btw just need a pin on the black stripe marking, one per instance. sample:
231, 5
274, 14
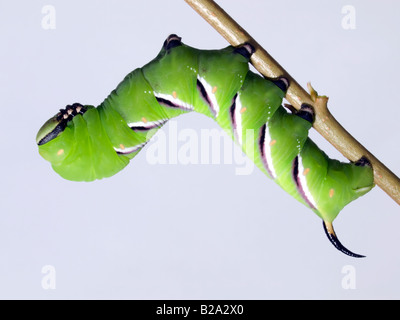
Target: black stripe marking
261, 141
135, 149
232, 110
170, 104
295, 171
149, 126
261, 144
142, 128
299, 186
167, 103
205, 97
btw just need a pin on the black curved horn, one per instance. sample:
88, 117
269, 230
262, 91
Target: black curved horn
328, 227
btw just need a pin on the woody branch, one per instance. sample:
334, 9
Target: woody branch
324, 123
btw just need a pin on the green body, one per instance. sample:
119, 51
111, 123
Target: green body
247, 106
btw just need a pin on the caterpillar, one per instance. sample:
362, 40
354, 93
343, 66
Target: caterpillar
85, 143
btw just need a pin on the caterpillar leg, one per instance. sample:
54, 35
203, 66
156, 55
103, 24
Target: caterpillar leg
363, 161
282, 83
246, 50
172, 41
306, 112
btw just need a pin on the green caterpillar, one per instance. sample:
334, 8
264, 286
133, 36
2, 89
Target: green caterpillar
84, 143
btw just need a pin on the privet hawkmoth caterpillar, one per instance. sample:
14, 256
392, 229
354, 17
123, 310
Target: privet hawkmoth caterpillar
85, 143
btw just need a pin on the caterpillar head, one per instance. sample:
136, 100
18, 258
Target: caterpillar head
77, 146
57, 124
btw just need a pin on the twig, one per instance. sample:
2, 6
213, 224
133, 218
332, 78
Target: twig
324, 123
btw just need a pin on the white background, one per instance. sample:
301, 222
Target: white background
178, 231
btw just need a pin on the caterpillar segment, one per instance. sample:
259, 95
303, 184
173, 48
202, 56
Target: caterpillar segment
84, 143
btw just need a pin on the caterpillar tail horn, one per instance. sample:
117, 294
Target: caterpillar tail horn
330, 232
